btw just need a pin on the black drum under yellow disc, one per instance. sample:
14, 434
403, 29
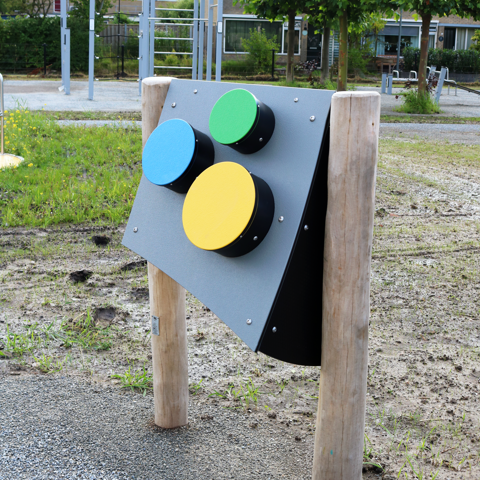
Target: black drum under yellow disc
219, 206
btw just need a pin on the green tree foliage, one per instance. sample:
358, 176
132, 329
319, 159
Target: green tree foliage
81, 8
352, 16
259, 47
476, 41
182, 5
10, 7
426, 9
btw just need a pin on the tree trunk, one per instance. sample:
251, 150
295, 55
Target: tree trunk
343, 54
325, 52
290, 41
422, 69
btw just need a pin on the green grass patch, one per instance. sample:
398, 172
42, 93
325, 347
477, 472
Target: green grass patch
429, 119
70, 174
414, 102
86, 115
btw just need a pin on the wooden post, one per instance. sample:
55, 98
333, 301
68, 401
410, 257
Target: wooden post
167, 302
355, 118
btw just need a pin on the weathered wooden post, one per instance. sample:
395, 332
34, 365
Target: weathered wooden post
167, 302
354, 123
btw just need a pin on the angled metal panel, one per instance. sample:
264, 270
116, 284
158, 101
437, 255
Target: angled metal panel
242, 288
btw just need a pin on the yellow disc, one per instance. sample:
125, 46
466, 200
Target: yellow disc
218, 206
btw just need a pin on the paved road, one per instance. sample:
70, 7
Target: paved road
38, 94
121, 96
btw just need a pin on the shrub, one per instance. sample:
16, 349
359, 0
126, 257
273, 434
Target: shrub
237, 67
358, 58
461, 61
259, 47
422, 103
21, 42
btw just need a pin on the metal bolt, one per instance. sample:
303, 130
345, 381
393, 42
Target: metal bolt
260, 139
135, 229
281, 219
295, 100
195, 91
312, 118
255, 238
249, 321
174, 105
274, 329
305, 227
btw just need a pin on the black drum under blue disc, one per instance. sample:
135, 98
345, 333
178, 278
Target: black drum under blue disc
175, 154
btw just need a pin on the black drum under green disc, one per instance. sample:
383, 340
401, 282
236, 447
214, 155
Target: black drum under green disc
241, 121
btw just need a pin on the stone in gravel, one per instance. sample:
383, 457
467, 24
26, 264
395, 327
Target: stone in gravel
100, 240
133, 265
80, 276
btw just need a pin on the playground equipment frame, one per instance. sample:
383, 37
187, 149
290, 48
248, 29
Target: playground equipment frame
355, 120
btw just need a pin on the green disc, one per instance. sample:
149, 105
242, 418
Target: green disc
233, 116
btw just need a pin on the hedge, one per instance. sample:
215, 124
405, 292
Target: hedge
459, 61
21, 42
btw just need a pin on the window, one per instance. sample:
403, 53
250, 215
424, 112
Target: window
470, 34
296, 47
56, 7
391, 43
237, 29
431, 40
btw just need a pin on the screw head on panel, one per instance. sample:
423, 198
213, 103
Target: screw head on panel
260, 139
281, 219
274, 329
295, 100
174, 105
312, 118
195, 91
305, 227
255, 238
249, 321
135, 229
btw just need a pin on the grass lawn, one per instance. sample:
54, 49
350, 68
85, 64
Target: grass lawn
70, 174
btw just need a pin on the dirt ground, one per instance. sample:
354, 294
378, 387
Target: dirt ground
423, 417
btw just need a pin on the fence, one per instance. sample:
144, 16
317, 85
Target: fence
26, 58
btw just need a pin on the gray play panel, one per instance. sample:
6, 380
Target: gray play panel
241, 288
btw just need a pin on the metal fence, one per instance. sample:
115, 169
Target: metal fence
27, 58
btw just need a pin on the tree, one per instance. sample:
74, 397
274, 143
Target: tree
279, 10
10, 7
426, 9
476, 41
81, 8
325, 53
349, 14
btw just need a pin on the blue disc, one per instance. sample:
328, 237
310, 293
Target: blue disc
168, 152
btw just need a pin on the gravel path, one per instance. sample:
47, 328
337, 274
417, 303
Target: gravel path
61, 427
453, 133
464, 104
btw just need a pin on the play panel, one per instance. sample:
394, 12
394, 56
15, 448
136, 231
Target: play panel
232, 206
